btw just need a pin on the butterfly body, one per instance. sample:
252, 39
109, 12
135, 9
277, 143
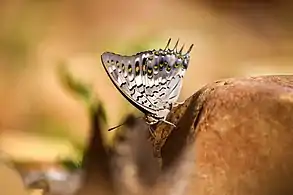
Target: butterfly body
150, 80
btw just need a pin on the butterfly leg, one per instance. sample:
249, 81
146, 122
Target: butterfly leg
152, 132
178, 103
175, 104
167, 122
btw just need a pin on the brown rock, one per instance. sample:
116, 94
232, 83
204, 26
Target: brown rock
233, 137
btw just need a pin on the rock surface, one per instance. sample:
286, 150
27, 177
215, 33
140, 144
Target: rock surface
233, 137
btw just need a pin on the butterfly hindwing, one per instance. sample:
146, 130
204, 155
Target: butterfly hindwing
168, 74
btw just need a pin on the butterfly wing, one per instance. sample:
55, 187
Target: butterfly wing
150, 80
126, 73
168, 71
177, 65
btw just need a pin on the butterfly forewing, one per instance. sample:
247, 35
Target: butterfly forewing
125, 81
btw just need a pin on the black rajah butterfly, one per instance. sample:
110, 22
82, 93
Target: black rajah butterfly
150, 80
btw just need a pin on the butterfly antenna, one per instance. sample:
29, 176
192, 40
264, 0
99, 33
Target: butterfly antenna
116, 127
167, 46
176, 44
189, 50
122, 124
181, 48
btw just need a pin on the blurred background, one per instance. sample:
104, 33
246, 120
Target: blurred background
42, 121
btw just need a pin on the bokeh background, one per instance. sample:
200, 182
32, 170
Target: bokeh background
42, 121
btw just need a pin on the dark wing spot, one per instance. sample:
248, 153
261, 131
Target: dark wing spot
150, 71
185, 63
162, 64
143, 69
177, 64
168, 68
144, 62
132, 92
138, 97
162, 94
123, 67
129, 68
137, 69
133, 86
163, 87
170, 52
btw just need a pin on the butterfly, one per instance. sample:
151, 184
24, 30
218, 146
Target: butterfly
150, 80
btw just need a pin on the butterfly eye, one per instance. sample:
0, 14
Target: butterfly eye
129, 68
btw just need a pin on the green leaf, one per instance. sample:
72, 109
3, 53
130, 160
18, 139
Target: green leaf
71, 165
78, 88
83, 91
